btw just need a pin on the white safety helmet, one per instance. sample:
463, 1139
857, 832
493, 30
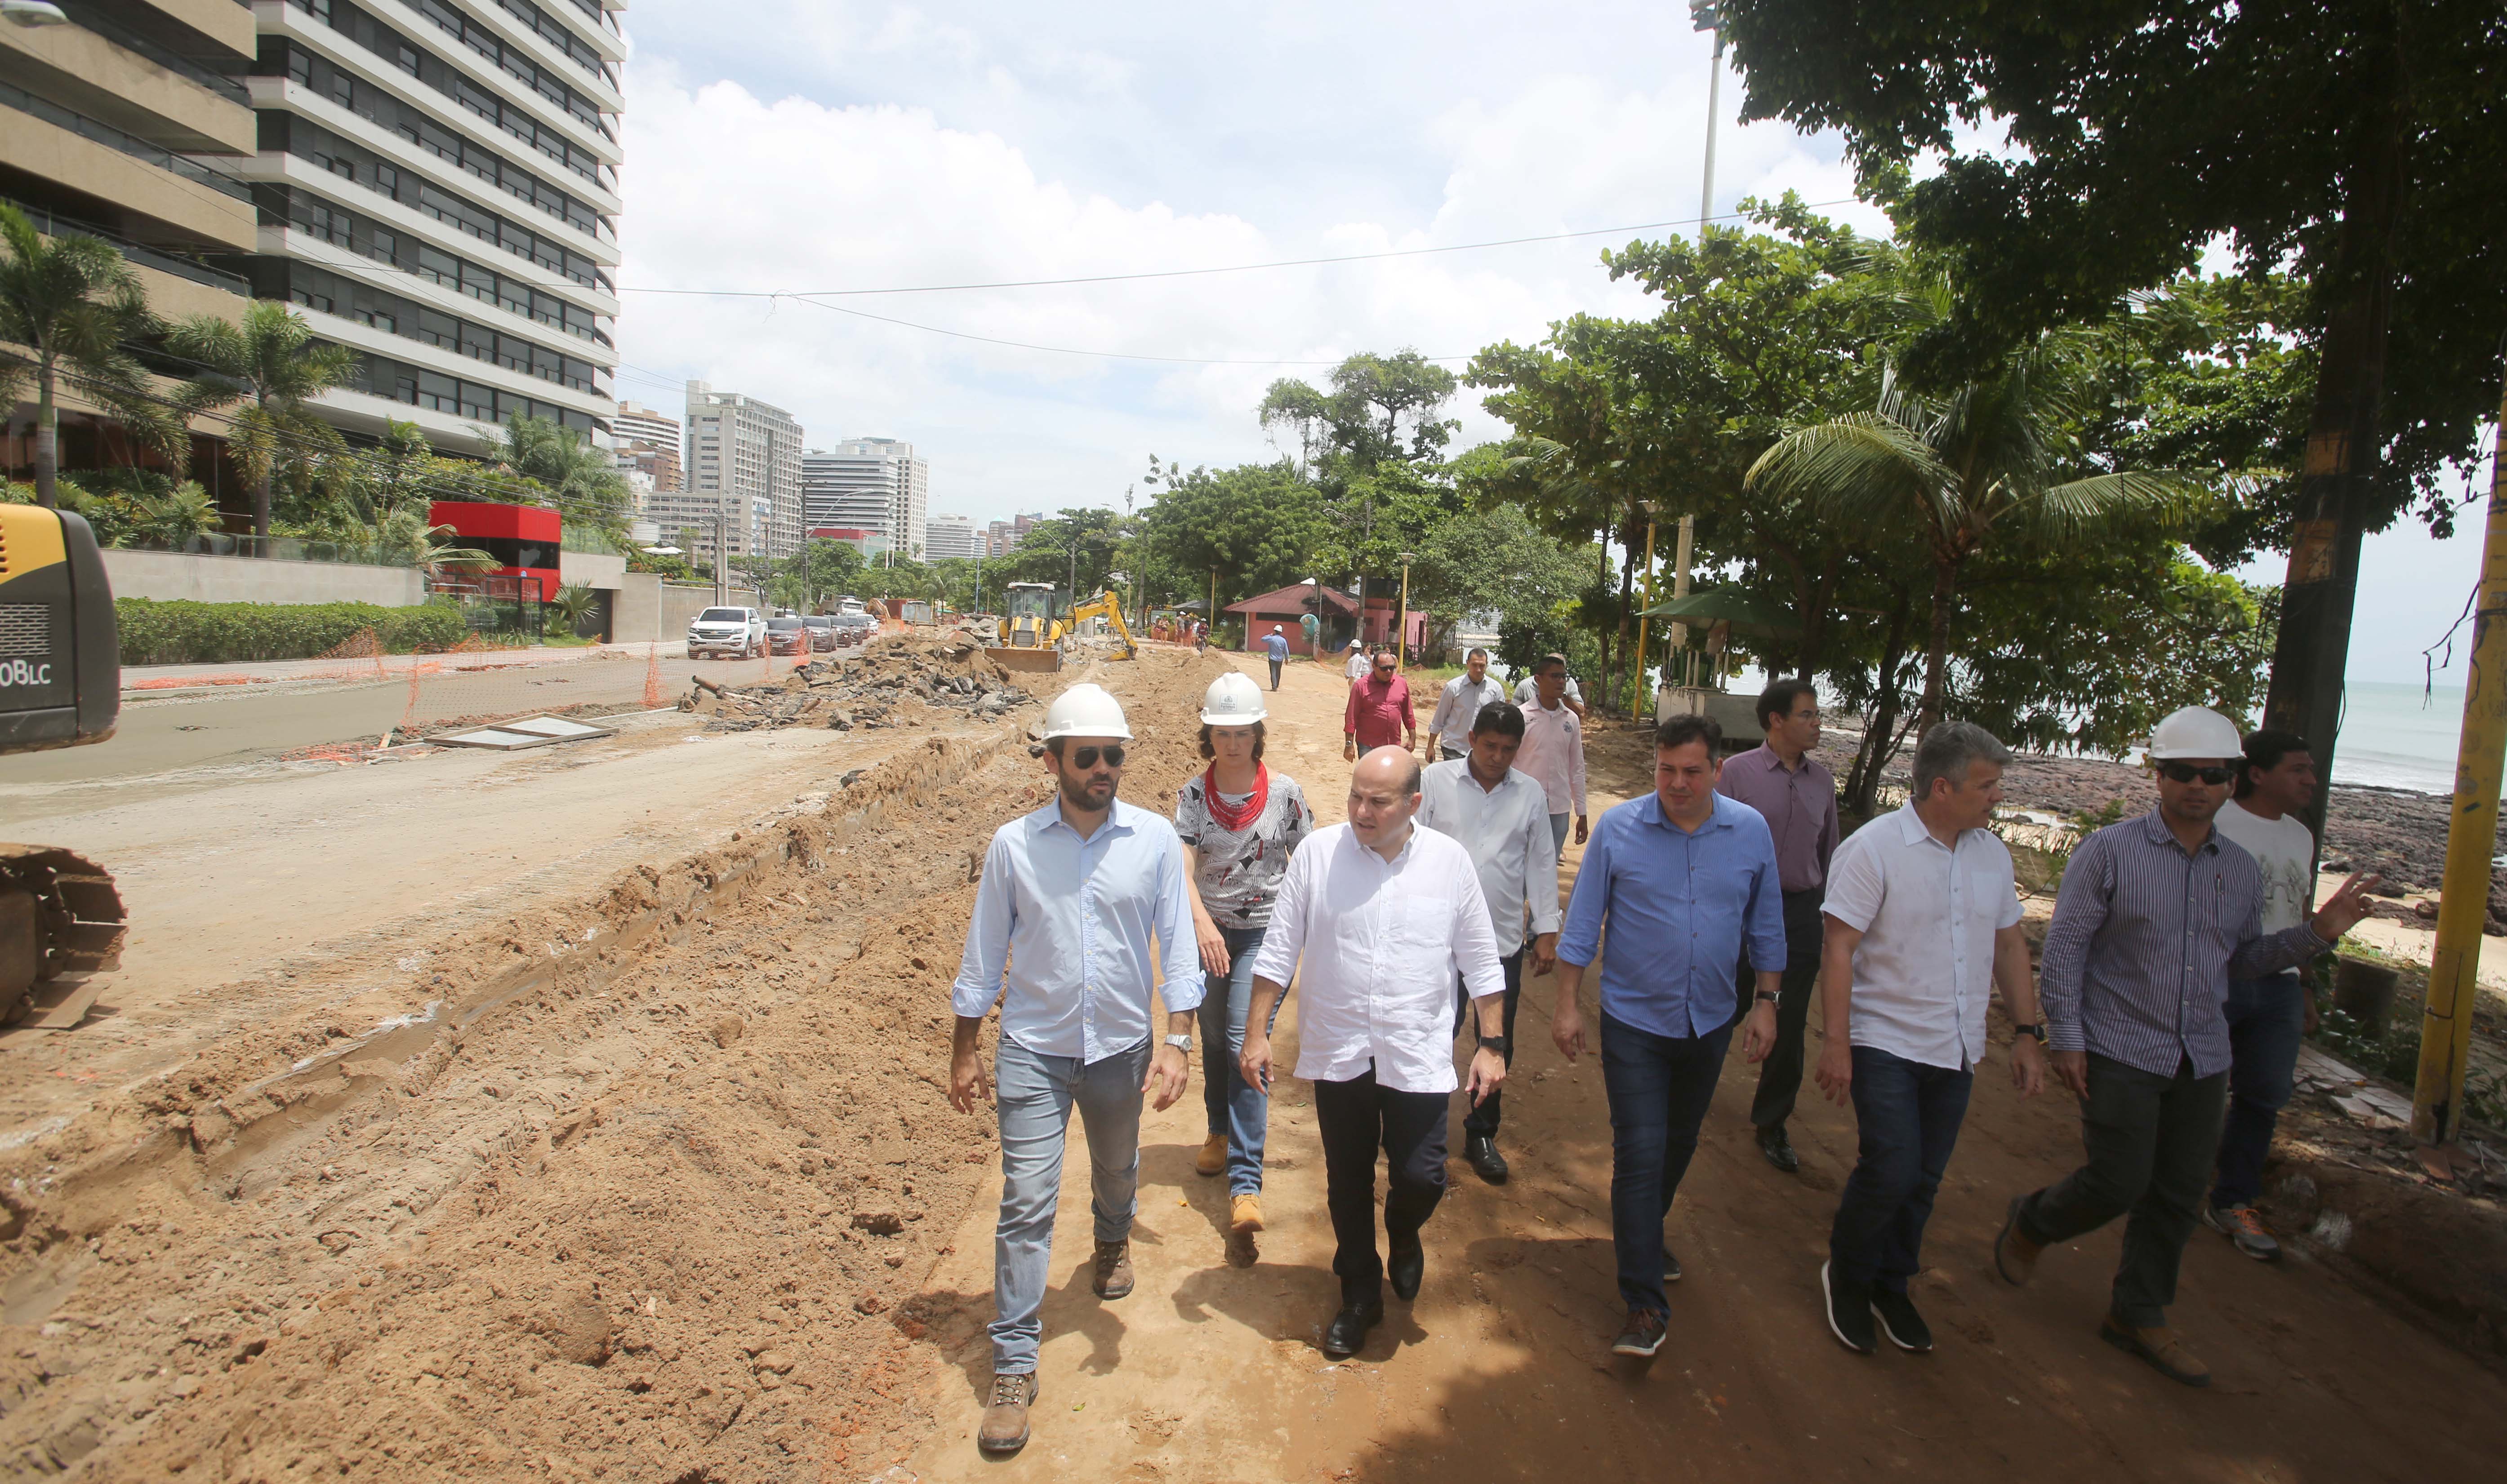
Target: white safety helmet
1085, 711
2195, 731
1232, 700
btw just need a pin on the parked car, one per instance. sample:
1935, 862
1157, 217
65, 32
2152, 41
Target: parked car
853, 628
740, 631
787, 635
822, 631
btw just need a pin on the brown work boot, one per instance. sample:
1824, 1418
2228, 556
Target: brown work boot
1213, 1158
2014, 1256
1005, 1427
1114, 1269
2158, 1345
1245, 1214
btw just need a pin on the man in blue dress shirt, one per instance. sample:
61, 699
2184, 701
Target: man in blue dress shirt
1071, 898
1682, 878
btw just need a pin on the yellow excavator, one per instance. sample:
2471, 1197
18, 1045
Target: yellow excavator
61, 686
1107, 606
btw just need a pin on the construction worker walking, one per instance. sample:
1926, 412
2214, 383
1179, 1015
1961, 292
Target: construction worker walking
1071, 900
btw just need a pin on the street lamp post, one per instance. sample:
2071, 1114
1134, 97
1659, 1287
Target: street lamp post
1401, 634
1704, 16
1648, 507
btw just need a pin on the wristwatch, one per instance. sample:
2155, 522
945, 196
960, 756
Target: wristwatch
1503, 1045
1182, 1043
2031, 1028
1765, 997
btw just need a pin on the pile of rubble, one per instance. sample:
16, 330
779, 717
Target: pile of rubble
895, 684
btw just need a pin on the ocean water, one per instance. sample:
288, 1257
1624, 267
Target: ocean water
2398, 735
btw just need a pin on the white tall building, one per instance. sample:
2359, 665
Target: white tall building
742, 462
947, 536
871, 483
438, 191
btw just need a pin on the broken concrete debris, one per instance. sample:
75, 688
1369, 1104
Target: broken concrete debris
897, 684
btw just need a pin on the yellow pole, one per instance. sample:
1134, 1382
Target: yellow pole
1401, 634
2463, 895
1641, 622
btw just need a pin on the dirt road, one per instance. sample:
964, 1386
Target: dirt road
647, 1176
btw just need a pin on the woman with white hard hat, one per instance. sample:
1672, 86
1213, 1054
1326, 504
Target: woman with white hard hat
1238, 821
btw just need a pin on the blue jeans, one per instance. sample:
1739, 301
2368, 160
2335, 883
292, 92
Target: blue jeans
1558, 826
1036, 1094
2266, 1018
1659, 1087
1907, 1115
1237, 1107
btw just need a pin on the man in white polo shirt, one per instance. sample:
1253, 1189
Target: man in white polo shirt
1922, 921
1373, 920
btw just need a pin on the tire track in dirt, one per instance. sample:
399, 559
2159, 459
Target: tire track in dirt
639, 1200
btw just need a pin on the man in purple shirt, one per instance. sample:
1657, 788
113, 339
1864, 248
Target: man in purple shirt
2154, 916
1798, 797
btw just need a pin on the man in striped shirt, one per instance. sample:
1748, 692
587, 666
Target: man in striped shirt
2155, 915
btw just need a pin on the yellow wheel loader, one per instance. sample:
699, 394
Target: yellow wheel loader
1029, 639
61, 686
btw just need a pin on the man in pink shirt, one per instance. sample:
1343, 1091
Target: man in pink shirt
1379, 712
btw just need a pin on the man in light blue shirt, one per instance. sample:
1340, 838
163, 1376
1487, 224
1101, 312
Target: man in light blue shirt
1276, 645
1682, 878
1069, 901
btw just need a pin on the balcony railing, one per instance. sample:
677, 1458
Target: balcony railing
52, 225
129, 144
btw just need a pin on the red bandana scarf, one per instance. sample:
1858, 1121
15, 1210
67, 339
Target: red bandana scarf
1233, 820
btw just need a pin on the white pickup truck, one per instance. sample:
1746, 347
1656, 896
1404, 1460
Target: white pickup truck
740, 631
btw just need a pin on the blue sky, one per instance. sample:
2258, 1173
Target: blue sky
878, 145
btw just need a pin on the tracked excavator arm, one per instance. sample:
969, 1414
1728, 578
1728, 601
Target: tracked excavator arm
61, 686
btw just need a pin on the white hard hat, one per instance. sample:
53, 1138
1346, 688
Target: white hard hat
1232, 700
2195, 731
1085, 711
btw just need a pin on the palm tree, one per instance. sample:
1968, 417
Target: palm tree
266, 362
581, 481
75, 304
1980, 464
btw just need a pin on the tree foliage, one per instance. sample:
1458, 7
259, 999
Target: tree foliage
77, 308
266, 365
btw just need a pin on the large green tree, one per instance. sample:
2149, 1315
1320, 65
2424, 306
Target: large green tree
266, 365
1255, 526
77, 308
2355, 143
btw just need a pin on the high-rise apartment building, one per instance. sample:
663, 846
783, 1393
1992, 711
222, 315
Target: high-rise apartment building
871, 483
129, 123
1003, 537
648, 450
437, 187
742, 460
948, 536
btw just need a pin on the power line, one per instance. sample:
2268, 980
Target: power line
1191, 273
1118, 355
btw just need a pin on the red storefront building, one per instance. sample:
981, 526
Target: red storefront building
524, 539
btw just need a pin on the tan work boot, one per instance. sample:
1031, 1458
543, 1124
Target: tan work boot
2158, 1346
1005, 1427
1114, 1269
1245, 1214
2014, 1256
1213, 1159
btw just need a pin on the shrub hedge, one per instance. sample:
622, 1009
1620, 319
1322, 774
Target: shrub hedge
183, 633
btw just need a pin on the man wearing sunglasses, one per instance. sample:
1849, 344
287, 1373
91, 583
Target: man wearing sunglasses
2156, 916
1070, 900
1380, 711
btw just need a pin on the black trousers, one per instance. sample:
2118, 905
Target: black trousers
1780, 1075
1275, 673
1483, 1119
1354, 1119
2151, 1141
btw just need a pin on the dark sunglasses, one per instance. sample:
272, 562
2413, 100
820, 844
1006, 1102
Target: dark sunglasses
1085, 758
2187, 773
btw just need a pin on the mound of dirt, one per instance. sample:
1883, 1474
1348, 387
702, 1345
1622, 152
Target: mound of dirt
896, 683
634, 1189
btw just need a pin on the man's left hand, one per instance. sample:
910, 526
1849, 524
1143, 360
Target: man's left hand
1169, 1071
1488, 1069
2028, 1067
1758, 1031
1544, 954
1580, 829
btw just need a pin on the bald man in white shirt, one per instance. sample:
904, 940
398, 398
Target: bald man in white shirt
1374, 920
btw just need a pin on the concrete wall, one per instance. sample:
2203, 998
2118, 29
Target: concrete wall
593, 569
166, 576
648, 608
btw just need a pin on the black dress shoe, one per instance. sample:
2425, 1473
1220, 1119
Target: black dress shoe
1406, 1267
1480, 1150
1779, 1149
1670, 1267
1347, 1335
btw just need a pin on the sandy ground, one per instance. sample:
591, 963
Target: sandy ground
628, 1159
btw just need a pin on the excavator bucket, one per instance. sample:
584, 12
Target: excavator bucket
1044, 661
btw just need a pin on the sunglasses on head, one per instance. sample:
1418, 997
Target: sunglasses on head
1084, 758
2187, 773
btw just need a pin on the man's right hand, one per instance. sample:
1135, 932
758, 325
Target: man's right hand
1567, 1029
1253, 1063
2072, 1070
967, 1083
1835, 1071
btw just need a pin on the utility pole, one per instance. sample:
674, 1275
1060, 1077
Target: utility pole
1401, 634
1648, 507
1680, 590
2472, 831
1704, 16
721, 561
